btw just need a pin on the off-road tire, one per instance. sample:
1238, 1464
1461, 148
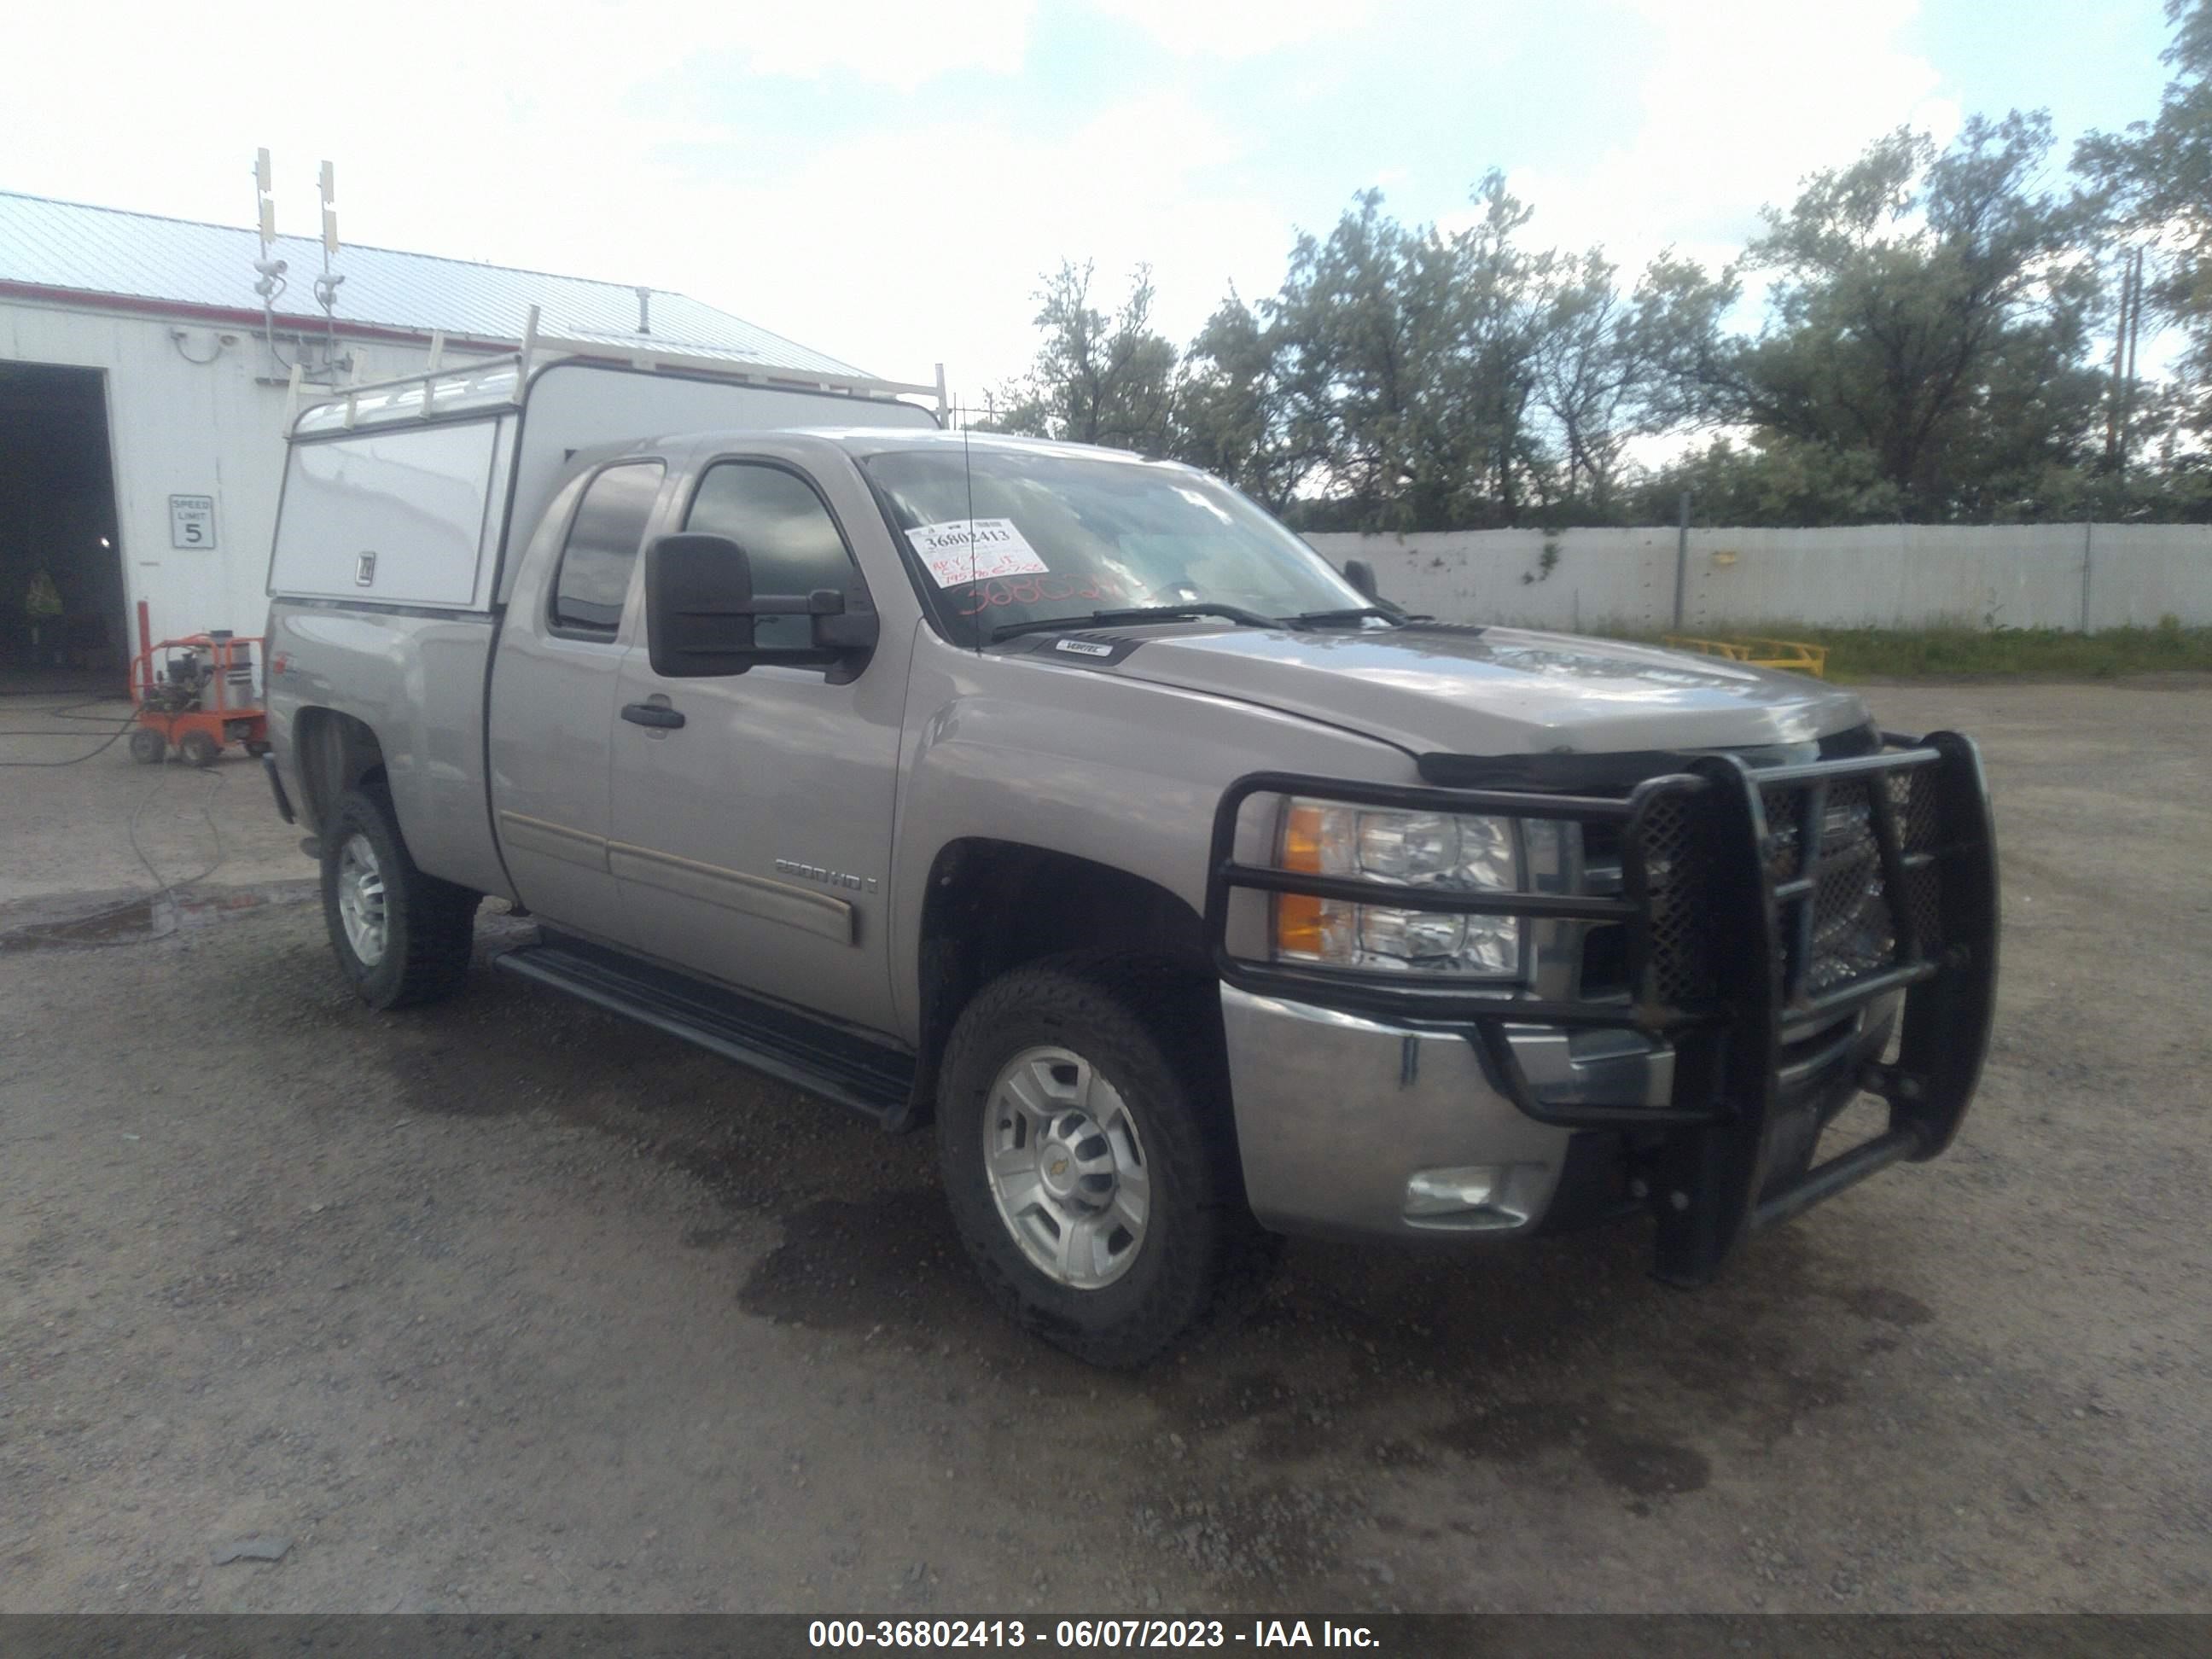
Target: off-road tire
430, 924
1153, 1032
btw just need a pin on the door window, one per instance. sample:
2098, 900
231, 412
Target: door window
602, 550
790, 540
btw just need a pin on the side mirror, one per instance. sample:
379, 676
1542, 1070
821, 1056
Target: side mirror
698, 605
700, 608
1361, 576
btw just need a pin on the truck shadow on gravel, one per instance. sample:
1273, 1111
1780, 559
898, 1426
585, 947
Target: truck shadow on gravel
1365, 1384
865, 1242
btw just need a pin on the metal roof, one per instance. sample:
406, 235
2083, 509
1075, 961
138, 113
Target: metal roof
182, 262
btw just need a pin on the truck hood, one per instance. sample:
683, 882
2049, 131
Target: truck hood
1498, 690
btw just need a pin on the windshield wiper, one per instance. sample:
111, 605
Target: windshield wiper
1330, 618
1148, 613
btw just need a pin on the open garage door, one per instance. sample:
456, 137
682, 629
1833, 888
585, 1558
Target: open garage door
63, 613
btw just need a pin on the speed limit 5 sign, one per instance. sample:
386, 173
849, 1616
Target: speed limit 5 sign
192, 521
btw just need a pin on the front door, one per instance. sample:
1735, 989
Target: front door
753, 842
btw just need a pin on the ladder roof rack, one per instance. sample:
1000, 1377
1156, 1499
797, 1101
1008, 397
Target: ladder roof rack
503, 378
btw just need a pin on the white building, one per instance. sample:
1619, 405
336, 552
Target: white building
143, 390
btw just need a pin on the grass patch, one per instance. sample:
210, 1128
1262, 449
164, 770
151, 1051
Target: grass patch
1858, 653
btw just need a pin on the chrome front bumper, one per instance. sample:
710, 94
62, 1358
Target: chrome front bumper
1338, 1114
1354, 1127
1774, 928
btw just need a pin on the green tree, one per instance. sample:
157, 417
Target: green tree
1404, 361
2153, 183
1096, 379
1929, 312
1612, 365
1369, 317
1783, 481
1502, 285
1234, 411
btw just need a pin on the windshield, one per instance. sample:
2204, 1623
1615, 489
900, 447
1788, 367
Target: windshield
1064, 535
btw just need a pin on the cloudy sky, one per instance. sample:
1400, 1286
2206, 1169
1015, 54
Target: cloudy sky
884, 179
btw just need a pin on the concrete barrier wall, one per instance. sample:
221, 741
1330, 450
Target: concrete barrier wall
2055, 576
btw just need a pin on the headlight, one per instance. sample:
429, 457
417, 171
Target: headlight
1434, 850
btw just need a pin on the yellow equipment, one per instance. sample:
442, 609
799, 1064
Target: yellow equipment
1796, 655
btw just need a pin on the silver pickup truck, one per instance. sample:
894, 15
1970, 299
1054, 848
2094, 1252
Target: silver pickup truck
1065, 801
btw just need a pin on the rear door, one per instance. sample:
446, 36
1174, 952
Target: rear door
753, 843
553, 691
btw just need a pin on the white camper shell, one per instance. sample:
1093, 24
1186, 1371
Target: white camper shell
399, 492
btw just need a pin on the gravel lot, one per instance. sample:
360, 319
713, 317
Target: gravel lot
508, 1305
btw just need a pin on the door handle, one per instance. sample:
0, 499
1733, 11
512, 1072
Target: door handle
653, 713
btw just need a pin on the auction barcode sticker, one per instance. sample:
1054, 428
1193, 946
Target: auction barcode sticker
959, 551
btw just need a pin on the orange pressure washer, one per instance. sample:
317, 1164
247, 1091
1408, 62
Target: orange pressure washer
199, 699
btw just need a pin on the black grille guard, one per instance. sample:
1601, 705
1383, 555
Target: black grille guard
1737, 943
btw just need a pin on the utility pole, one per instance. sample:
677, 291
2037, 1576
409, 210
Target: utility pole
2120, 360
2121, 403
2136, 333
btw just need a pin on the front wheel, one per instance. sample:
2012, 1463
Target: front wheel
1084, 1138
401, 936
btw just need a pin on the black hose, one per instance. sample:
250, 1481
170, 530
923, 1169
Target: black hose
68, 712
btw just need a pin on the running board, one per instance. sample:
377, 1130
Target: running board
823, 1059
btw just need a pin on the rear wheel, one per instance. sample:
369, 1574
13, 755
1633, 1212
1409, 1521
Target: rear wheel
197, 749
1084, 1139
148, 746
401, 936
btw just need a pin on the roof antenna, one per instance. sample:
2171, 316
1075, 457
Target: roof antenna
326, 285
645, 311
269, 267
264, 212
